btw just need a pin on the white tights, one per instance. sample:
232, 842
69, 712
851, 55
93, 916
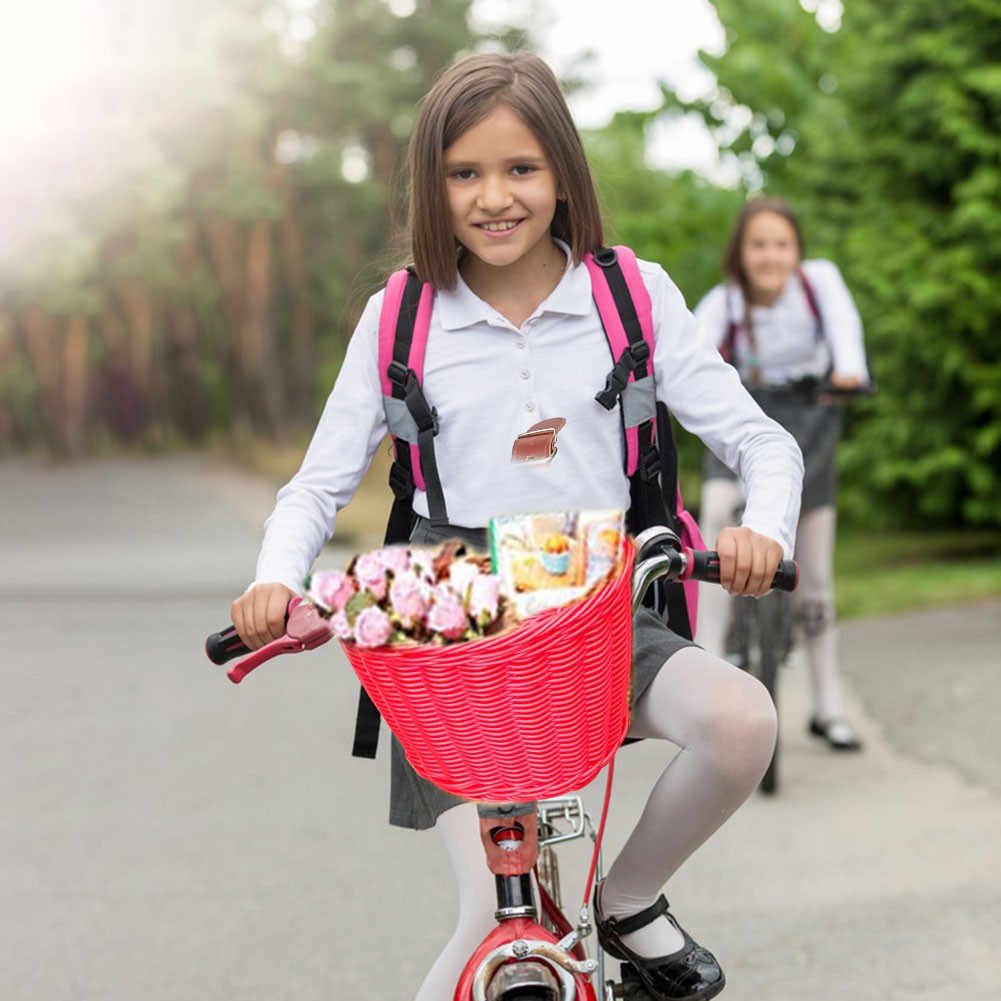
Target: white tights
813, 598
724, 723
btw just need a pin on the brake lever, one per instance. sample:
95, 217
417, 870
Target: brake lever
306, 629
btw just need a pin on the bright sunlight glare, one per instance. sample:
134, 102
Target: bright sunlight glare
52, 59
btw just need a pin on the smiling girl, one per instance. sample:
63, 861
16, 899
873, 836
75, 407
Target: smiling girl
503, 210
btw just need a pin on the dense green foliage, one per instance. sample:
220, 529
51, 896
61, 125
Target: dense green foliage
886, 136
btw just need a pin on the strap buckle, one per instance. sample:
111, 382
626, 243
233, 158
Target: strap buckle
636, 354
397, 373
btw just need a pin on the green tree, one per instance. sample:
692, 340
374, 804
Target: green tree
884, 131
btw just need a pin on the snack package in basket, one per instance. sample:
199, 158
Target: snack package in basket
549, 559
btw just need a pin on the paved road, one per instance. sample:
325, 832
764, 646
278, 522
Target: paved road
166, 835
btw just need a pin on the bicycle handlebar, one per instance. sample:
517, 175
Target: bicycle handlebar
834, 393
660, 556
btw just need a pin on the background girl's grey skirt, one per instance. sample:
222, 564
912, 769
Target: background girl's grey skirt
816, 428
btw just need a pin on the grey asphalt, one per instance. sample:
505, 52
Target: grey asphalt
166, 835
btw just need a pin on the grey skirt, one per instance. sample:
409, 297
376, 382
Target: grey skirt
415, 802
816, 428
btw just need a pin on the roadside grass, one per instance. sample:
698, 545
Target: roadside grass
881, 572
877, 572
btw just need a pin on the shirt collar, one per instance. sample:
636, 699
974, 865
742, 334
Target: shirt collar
461, 307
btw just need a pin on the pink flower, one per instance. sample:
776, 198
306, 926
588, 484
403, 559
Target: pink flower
330, 591
409, 598
340, 626
461, 575
372, 627
371, 574
447, 616
484, 599
395, 559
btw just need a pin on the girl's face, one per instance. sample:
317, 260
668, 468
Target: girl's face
769, 254
501, 191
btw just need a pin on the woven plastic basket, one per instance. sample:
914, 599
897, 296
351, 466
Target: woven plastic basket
528, 714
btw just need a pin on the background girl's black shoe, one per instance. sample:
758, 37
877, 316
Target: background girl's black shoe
838, 734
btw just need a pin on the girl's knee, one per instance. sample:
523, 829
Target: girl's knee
741, 723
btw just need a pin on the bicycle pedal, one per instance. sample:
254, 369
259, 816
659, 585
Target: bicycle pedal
631, 988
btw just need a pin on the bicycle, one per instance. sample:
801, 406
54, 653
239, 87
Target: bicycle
536, 952
761, 634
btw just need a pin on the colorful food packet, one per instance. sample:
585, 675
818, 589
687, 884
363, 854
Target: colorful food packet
553, 558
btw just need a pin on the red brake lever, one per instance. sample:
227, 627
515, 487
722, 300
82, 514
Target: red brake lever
305, 630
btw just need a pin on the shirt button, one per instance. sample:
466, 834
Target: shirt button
525, 374
530, 405
522, 342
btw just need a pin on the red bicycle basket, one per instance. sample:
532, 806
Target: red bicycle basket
528, 714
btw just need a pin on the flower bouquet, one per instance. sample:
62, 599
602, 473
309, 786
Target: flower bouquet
405, 596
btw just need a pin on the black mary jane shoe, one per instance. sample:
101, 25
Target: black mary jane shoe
690, 974
838, 734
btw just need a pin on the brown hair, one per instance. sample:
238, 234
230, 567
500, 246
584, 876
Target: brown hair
465, 94
733, 267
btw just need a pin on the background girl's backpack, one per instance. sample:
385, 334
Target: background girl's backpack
651, 455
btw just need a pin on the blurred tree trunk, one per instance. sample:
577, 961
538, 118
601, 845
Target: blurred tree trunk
241, 258
303, 361
57, 353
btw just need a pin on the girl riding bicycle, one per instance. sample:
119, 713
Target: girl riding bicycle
790, 327
502, 211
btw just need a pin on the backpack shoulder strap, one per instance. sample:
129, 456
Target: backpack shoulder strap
627, 317
403, 333
727, 348
404, 322
811, 300
651, 454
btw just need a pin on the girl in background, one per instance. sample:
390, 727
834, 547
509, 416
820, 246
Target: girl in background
788, 325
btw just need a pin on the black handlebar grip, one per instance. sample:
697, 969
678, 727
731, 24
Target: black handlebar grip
225, 645
786, 576
705, 566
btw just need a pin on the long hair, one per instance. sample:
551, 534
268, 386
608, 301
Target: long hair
733, 264
465, 94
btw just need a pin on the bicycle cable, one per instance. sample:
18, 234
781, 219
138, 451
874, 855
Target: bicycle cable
598, 838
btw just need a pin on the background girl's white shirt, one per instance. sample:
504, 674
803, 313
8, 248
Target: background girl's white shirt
490, 381
786, 332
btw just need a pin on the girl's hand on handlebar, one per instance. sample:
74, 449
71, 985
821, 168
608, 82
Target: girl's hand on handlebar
747, 561
259, 614
839, 380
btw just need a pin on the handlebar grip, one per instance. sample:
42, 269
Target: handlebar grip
224, 645
705, 566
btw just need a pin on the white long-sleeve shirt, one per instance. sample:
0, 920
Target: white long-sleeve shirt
490, 381
785, 333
